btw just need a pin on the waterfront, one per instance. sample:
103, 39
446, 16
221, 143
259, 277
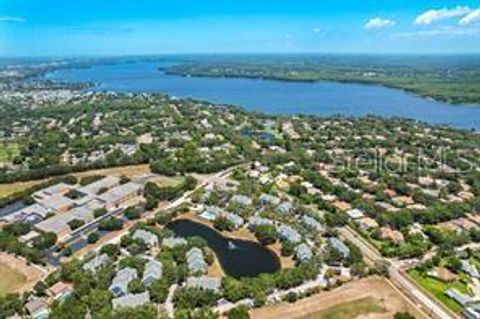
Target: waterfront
274, 97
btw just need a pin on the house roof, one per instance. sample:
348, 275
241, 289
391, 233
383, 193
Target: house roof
290, 234
97, 262
118, 193
131, 300
208, 283
59, 288
147, 237
93, 188
173, 241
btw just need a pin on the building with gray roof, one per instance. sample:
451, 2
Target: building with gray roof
31, 214
59, 189
287, 233
172, 242
312, 224
267, 199
147, 237
206, 283
120, 194
102, 184
58, 224
303, 252
339, 246
257, 221
284, 208
236, 220
241, 200
458, 296
152, 272
470, 268
196, 261
96, 263
131, 300
119, 286
57, 203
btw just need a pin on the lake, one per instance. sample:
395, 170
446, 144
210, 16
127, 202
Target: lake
274, 97
248, 259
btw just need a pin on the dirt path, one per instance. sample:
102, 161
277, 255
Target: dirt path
374, 287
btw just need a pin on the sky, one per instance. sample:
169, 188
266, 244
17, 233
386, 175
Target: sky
131, 27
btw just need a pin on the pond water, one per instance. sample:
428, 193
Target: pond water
274, 97
238, 258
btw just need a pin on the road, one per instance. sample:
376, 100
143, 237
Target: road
423, 302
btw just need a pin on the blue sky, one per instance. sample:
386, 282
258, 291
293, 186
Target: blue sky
123, 27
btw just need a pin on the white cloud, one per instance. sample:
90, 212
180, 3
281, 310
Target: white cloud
472, 17
11, 19
431, 16
379, 23
317, 30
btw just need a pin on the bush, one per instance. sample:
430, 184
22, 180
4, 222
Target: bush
240, 312
92, 238
75, 223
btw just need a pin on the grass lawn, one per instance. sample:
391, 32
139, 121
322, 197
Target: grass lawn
8, 152
438, 288
350, 310
165, 181
11, 280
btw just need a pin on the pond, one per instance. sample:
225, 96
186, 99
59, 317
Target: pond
238, 258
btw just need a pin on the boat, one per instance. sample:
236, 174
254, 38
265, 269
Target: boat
231, 245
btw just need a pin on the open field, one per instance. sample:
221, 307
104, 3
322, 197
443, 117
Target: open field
341, 299
438, 288
128, 171
8, 189
16, 275
348, 310
11, 280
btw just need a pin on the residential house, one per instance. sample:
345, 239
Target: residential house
443, 274
150, 239
287, 233
96, 263
284, 208
196, 261
355, 213
206, 283
37, 309
131, 300
119, 286
366, 223
267, 199
338, 245
303, 252
172, 242
312, 224
470, 268
236, 220
241, 200
152, 272
462, 299
257, 221
60, 291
